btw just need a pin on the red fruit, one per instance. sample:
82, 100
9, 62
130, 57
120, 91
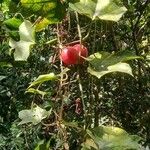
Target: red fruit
72, 54
68, 55
82, 52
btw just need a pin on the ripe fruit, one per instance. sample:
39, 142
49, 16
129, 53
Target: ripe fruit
82, 52
71, 55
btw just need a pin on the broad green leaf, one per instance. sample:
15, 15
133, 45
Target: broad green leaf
43, 78
22, 47
103, 9
119, 67
12, 26
105, 59
33, 115
27, 31
13, 23
104, 63
111, 138
53, 10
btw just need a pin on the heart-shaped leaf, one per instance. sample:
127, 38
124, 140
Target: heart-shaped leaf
104, 63
22, 47
103, 9
119, 67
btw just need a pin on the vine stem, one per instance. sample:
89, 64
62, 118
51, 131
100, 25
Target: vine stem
78, 27
61, 76
79, 79
62, 129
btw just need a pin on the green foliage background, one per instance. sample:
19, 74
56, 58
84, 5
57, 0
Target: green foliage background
116, 99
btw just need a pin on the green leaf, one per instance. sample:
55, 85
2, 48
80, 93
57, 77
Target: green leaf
36, 91
2, 77
43, 78
111, 138
13, 23
104, 63
5, 64
27, 31
5, 5
119, 67
103, 9
13, 26
34, 115
53, 10
22, 47
42, 145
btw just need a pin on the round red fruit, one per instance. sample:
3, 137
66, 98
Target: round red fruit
82, 52
71, 55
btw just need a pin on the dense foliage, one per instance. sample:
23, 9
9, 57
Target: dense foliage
102, 103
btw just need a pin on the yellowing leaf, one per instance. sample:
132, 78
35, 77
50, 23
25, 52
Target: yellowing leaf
42, 24
53, 10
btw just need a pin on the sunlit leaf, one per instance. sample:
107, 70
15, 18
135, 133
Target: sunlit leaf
53, 10
102, 9
104, 63
111, 138
42, 24
22, 47
33, 115
102, 59
27, 31
119, 67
